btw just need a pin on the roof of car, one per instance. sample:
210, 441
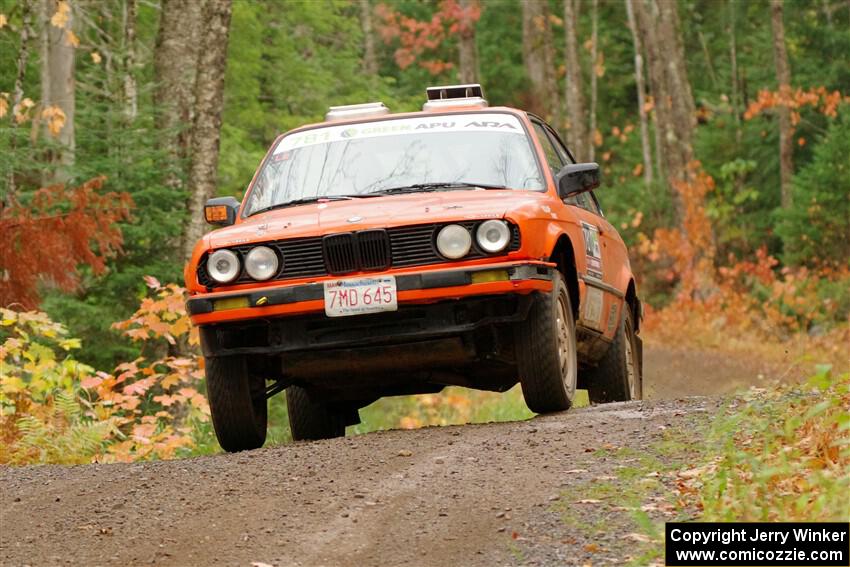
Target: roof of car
419, 113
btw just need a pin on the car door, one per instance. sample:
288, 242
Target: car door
604, 253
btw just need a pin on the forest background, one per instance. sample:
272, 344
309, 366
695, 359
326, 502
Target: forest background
722, 128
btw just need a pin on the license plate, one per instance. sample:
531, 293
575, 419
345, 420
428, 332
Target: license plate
359, 296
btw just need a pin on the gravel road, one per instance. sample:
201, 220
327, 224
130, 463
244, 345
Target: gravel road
549, 491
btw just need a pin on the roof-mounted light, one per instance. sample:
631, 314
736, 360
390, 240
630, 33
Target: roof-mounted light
351, 111
454, 95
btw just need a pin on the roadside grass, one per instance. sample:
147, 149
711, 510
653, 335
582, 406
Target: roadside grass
631, 502
776, 454
781, 454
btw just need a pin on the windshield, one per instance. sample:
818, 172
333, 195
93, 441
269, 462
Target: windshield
425, 153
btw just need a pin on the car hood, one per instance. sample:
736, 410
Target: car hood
318, 219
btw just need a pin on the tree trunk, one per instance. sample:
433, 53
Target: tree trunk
783, 79
538, 57
175, 64
466, 44
645, 145
594, 78
206, 129
671, 91
131, 104
733, 56
57, 85
576, 124
18, 95
370, 59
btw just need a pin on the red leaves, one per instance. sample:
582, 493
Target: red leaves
57, 231
416, 38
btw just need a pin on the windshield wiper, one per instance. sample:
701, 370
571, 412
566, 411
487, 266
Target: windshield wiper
445, 185
305, 201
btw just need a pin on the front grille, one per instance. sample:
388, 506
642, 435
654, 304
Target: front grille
349, 252
374, 248
340, 252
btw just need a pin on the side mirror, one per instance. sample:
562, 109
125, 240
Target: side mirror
577, 178
221, 211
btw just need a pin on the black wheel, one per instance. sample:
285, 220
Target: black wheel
237, 403
311, 419
618, 376
546, 351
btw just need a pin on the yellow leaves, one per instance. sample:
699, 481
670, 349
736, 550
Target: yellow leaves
71, 39
11, 385
597, 138
3, 21
54, 119
22, 109
637, 170
142, 410
62, 15
4, 104
95, 57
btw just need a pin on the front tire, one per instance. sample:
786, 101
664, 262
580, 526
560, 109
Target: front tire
237, 404
310, 419
546, 351
618, 376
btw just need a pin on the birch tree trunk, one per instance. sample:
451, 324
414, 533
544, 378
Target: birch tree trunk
131, 103
783, 79
175, 64
206, 129
468, 60
646, 147
370, 60
594, 78
57, 83
538, 57
577, 136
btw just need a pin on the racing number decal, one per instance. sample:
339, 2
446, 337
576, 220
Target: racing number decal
592, 251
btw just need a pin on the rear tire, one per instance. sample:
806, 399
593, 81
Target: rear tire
546, 351
310, 419
618, 376
237, 404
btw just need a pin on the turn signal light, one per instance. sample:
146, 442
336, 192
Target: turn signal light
490, 276
231, 303
217, 213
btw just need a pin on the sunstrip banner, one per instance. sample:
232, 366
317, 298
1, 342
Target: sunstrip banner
478, 122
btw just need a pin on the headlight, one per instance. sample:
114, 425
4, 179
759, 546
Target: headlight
493, 236
223, 266
454, 241
261, 263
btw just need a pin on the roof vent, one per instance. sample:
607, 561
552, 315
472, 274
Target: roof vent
454, 95
351, 111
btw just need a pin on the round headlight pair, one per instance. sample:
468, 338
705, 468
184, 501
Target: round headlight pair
454, 241
261, 263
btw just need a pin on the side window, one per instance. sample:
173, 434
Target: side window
553, 158
587, 202
560, 147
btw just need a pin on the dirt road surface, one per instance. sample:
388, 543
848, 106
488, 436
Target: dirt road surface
554, 490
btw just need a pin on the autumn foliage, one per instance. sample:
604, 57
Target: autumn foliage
419, 41
58, 229
55, 409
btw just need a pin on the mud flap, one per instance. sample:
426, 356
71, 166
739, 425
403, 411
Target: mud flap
639, 343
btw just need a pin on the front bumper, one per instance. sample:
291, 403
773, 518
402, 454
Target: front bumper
413, 287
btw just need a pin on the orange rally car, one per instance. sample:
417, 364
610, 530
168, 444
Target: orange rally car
380, 254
